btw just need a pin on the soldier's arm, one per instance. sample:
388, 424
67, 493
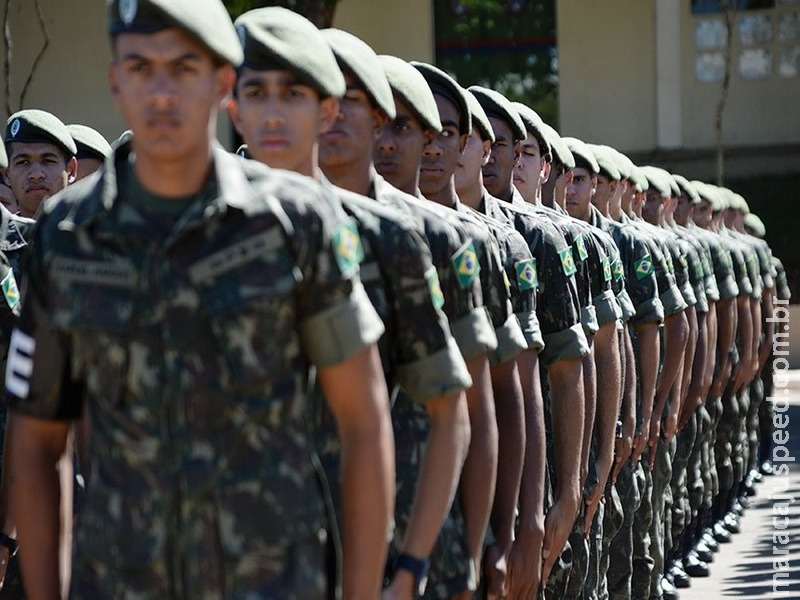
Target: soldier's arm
649, 358
525, 560
755, 315
726, 329
33, 449
768, 327
589, 406
711, 345
356, 393
744, 340
692, 316
676, 333
627, 413
695, 378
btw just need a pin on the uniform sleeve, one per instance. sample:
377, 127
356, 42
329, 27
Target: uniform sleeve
669, 294
781, 284
521, 271
39, 381
740, 272
336, 318
641, 285
722, 264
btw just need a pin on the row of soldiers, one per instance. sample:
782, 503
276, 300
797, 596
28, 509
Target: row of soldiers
411, 342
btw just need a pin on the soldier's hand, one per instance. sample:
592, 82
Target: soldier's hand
670, 426
622, 451
592, 504
525, 566
639, 444
655, 433
557, 527
495, 570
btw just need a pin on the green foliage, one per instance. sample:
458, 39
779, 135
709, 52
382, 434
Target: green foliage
320, 12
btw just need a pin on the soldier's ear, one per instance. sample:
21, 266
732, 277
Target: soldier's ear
464, 140
487, 151
328, 111
72, 170
379, 119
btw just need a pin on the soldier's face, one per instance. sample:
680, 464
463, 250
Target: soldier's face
87, 166
440, 157
604, 191
352, 137
168, 89
280, 118
579, 193
398, 151
36, 171
529, 169
499, 170
653, 207
474, 156
684, 210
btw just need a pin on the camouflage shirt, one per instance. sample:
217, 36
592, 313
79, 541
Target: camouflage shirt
721, 262
191, 353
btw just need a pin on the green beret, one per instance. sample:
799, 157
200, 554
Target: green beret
558, 149
33, 125
356, 57
673, 185
606, 162
441, 83
89, 142
711, 194
277, 38
409, 84
740, 203
498, 106
207, 21
639, 180
479, 118
584, 157
3, 157
533, 124
687, 188
657, 180
624, 164
755, 224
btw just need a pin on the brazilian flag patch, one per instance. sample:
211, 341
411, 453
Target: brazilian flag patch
580, 244
432, 277
606, 269
347, 247
643, 267
527, 275
10, 289
618, 270
465, 262
670, 264
566, 261
684, 264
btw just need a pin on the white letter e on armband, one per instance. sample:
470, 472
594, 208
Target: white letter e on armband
20, 364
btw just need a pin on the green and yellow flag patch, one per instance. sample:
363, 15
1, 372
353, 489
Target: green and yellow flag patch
567, 263
465, 262
643, 267
580, 244
606, 269
347, 246
432, 277
527, 275
10, 289
618, 269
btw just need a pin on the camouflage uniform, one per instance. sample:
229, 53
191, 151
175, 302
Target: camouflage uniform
189, 340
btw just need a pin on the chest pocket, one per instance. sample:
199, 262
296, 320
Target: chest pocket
248, 292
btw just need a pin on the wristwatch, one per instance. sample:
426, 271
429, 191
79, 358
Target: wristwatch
9, 542
418, 567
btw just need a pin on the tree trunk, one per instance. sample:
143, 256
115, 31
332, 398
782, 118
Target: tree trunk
726, 83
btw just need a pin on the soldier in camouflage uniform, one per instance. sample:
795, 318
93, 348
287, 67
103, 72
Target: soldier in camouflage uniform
182, 304
567, 345
418, 353
92, 149
346, 156
524, 560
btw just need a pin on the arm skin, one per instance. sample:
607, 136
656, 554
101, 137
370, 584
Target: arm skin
694, 378
726, 329
676, 333
755, 312
33, 449
590, 407
525, 560
566, 398
509, 407
480, 467
357, 396
744, 341
624, 446
649, 358
711, 344
767, 327
686, 373
436, 484
608, 369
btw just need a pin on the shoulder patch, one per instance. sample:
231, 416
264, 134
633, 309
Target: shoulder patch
580, 244
465, 262
10, 289
527, 275
606, 269
432, 277
619, 270
643, 267
567, 263
347, 246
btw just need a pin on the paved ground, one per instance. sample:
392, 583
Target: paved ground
744, 568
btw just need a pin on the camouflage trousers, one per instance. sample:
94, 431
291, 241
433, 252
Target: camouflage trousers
555, 587
765, 413
714, 409
680, 510
580, 558
698, 480
659, 528
726, 440
620, 565
451, 570
642, 561
613, 517
753, 432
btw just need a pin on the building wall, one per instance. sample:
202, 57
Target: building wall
404, 29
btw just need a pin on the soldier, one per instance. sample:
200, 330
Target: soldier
346, 157
278, 87
183, 308
524, 560
92, 149
564, 352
